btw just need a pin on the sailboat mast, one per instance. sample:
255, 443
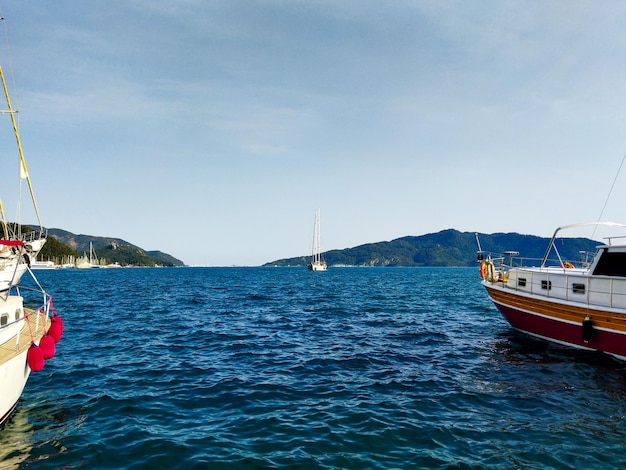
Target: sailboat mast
314, 235
319, 237
5, 227
317, 245
23, 169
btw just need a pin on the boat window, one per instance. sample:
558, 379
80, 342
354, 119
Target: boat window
611, 263
546, 285
521, 282
578, 288
18, 314
4, 319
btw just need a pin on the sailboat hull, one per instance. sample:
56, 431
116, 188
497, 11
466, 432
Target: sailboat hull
317, 266
11, 272
13, 376
23, 327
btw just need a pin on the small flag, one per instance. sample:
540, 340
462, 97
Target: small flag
23, 170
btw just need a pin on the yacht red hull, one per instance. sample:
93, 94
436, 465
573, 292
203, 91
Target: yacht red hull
563, 323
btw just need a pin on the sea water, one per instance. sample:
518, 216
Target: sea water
182, 368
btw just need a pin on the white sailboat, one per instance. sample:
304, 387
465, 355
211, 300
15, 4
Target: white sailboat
88, 262
317, 263
27, 335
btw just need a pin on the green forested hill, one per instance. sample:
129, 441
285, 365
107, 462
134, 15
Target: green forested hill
62, 243
446, 248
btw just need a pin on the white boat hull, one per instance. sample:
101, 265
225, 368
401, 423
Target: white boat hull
15, 259
43, 265
19, 328
13, 376
10, 273
317, 266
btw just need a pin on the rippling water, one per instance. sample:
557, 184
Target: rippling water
282, 367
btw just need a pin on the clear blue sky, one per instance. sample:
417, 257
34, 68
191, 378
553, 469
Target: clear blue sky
213, 130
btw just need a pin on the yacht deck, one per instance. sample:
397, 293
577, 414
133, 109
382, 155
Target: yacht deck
33, 327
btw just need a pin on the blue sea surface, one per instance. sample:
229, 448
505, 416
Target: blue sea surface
183, 368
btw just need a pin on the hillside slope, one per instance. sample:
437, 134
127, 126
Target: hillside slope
113, 249
446, 248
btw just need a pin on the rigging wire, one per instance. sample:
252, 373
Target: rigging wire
609, 195
14, 113
7, 46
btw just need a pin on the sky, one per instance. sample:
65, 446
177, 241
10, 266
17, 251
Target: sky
213, 130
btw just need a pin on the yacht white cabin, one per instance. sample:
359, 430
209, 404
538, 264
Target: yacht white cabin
601, 283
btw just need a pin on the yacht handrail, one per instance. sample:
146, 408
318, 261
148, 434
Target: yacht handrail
34, 235
582, 224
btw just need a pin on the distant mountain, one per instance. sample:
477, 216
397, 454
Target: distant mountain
114, 250
446, 248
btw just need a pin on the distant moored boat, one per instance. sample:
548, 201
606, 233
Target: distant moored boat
317, 263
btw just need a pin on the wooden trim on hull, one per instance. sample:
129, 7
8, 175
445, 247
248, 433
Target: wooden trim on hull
562, 322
